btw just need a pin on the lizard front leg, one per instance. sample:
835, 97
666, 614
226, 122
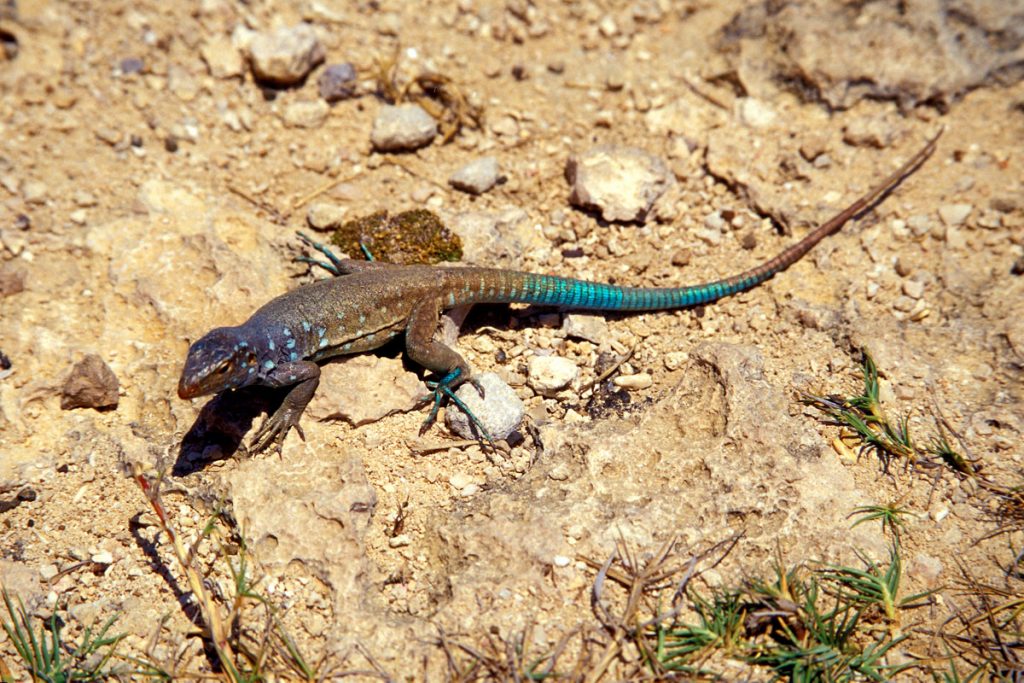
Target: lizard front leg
439, 358
303, 377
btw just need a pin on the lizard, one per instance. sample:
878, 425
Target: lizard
368, 303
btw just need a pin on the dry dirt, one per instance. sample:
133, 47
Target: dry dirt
138, 210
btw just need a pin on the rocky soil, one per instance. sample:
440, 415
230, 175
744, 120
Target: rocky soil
157, 158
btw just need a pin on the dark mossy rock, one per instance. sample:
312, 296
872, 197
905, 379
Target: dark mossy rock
416, 236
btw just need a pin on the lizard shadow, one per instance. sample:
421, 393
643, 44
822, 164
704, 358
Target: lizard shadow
223, 422
221, 425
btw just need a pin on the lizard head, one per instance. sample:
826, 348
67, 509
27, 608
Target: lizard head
220, 360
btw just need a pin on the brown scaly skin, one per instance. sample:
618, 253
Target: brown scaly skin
370, 303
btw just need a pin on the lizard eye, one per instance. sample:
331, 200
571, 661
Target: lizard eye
223, 368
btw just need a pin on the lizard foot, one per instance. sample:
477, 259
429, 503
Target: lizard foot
274, 430
334, 267
444, 389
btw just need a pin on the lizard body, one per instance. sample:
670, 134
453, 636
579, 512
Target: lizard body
369, 303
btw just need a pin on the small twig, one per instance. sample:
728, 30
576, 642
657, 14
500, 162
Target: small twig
278, 217
326, 187
610, 371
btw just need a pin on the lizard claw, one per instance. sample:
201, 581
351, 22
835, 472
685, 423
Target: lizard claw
443, 390
274, 429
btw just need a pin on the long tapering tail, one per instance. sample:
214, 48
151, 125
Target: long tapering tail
558, 291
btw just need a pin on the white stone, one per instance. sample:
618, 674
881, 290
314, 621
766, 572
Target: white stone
549, 374
638, 381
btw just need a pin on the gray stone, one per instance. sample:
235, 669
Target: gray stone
477, 176
285, 56
593, 328
622, 183
337, 82
500, 411
548, 375
402, 128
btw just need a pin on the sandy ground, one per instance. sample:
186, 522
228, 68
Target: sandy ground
150, 189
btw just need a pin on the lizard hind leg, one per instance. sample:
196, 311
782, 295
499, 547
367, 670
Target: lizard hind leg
441, 359
441, 390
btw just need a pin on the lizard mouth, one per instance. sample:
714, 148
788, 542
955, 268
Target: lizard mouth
186, 390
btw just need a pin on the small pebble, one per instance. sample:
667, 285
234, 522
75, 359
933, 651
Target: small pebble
955, 214
868, 133
91, 384
103, 557
548, 375
682, 257
710, 237
715, 221
593, 328
78, 216
477, 176
460, 480
633, 382
903, 304
84, 199
223, 60
48, 571
561, 561
34, 192
326, 215
131, 65
109, 135
285, 56
913, 288
755, 114
337, 82
306, 113
919, 224
399, 541
559, 472
402, 128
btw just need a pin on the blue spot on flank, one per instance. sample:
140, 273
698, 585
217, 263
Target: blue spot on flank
270, 344
321, 331
243, 343
306, 326
346, 347
268, 364
323, 342
252, 370
341, 315
294, 356
290, 344
291, 378
370, 336
287, 332
236, 347
362, 318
